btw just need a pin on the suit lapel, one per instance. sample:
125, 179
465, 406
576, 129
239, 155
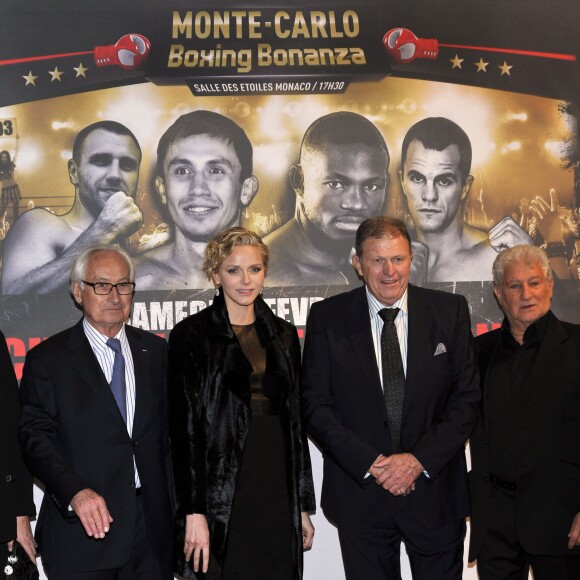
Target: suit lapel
419, 345
86, 365
361, 341
142, 375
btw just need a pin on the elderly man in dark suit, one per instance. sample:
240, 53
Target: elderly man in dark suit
390, 395
16, 502
93, 430
525, 478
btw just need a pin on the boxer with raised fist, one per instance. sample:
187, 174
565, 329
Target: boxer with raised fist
41, 246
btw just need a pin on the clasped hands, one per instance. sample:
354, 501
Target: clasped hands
396, 473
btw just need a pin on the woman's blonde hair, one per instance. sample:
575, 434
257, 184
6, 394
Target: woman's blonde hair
223, 244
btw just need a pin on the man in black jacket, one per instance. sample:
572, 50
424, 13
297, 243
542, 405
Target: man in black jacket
394, 459
93, 430
525, 478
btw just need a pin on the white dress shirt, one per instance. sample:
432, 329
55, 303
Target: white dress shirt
106, 357
401, 324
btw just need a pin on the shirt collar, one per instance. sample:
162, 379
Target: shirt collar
375, 305
99, 340
533, 334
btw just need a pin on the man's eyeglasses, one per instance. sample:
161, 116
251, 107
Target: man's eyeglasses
103, 288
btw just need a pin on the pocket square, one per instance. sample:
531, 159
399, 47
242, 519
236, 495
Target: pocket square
440, 349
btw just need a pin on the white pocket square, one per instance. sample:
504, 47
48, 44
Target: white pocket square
440, 349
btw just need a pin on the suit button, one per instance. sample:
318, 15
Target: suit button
132, 484
135, 443
8, 479
486, 479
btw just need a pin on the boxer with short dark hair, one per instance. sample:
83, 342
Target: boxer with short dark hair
341, 179
204, 179
40, 247
435, 176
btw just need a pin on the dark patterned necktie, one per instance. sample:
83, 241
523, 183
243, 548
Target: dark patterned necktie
393, 374
118, 386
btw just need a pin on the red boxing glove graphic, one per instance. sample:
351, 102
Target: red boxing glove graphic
130, 52
403, 46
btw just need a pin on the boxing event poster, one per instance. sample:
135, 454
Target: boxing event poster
501, 78
275, 71
520, 146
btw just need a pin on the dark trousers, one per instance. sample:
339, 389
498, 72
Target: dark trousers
142, 564
374, 553
503, 558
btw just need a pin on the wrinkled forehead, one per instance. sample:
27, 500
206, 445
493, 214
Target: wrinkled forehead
523, 270
107, 263
386, 242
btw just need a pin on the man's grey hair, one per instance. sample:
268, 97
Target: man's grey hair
529, 255
79, 268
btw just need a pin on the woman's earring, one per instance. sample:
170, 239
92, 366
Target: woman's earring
262, 290
217, 290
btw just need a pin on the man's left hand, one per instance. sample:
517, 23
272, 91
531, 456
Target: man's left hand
399, 473
574, 535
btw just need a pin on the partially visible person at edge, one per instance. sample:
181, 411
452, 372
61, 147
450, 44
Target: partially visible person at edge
16, 501
525, 451
242, 468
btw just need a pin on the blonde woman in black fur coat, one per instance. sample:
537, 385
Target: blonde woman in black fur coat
241, 463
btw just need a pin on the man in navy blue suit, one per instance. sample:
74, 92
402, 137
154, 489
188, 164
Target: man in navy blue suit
93, 430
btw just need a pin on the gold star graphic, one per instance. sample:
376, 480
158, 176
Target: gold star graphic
30, 79
481, 66
80, 70
505, 69
55, 74
456, 62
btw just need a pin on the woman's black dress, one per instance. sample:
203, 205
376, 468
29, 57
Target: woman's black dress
259, 542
